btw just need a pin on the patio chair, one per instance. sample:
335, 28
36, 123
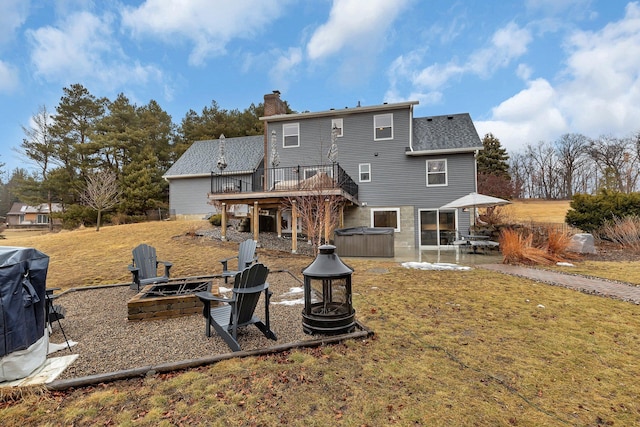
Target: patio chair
238, 311
246, 256
144, 268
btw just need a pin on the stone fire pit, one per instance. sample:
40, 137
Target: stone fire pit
175, 298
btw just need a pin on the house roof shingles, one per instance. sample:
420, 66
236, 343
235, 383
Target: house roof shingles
242, 154
442, 133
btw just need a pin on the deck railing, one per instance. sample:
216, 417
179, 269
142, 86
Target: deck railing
286, 179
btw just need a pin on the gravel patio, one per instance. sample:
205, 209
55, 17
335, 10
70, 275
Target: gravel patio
96, 318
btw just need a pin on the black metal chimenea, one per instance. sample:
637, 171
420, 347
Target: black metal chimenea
329, 278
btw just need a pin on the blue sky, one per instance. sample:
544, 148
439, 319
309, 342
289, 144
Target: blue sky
527, 71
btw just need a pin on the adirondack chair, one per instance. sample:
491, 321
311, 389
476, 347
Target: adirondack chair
144, 267
246, 256
238, 311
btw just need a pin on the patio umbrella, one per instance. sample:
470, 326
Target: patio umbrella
475, 200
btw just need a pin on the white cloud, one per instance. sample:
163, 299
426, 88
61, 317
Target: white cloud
285, 67
8, 77
13, 13
598, 94
208, 24
530, 116
354, 24
83, 47
507, 44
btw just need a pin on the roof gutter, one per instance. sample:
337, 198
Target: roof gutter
342, 112
442, 151
208, 174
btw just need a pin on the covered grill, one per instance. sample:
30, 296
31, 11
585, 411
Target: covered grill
23, 337
328, 307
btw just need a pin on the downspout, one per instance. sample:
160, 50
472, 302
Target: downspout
475, 167
411, 128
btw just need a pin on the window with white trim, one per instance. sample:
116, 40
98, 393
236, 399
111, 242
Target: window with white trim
291, 135
386, 217
383, 127
364, 170
337, 124
437, 173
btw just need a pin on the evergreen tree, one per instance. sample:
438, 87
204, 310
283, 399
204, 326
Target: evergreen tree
493, 169
142, 185
493, 159
74, 123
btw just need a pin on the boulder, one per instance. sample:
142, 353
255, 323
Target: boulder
582, 243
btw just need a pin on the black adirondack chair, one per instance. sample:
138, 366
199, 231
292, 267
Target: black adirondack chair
238, 311
144, 267
246, 256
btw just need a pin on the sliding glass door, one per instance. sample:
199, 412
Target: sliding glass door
437, 227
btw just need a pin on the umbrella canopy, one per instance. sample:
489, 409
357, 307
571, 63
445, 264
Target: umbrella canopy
475, 200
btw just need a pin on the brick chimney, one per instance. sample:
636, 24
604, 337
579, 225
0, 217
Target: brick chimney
273, 105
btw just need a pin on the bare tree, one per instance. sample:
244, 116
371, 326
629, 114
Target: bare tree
570, 149
313, 210
101, 192
617, 160
544, 160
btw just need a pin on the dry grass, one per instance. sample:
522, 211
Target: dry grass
451, 348
622, 271
624, 231
537, 210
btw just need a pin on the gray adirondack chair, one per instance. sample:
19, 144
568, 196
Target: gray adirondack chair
238, 311
246, 256
144, 268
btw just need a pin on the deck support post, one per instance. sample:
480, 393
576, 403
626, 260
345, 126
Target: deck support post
294, 227
223, 223
256, 221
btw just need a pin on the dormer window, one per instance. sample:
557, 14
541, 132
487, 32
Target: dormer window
383, 127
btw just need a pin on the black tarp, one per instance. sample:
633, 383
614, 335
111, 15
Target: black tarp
23, 277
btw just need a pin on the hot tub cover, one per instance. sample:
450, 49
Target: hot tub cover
354, 231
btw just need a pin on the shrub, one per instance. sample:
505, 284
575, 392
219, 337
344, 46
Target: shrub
589, 213
77, 215
216, 220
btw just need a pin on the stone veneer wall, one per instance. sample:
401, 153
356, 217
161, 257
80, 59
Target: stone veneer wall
361, 217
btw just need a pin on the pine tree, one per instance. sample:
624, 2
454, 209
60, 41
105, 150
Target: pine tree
493, 169
493, 159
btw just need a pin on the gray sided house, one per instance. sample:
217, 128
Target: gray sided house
389, 169
196, 173
405, 167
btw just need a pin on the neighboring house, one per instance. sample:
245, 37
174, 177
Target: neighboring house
389, 168
23, 215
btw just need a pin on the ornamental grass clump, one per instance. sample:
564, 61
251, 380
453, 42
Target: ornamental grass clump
557, 244
517, 247
625, 231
